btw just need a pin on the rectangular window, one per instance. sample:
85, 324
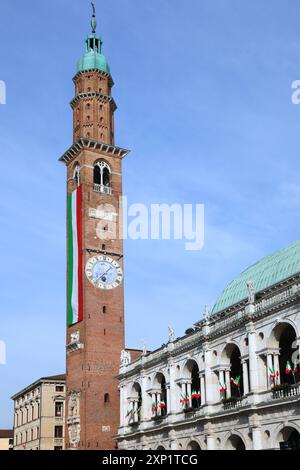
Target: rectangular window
58, 432
58, 448
59, 409
59, 388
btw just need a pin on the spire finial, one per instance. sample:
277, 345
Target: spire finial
94, 21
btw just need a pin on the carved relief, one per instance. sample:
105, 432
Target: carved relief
75, 344
74, 419
125, 358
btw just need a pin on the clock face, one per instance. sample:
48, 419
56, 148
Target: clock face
103, 272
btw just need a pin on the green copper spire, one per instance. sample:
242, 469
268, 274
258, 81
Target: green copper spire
93, 59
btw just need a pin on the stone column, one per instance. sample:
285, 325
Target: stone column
173, 440
121, 406
245, 377
154, 402
145, 413
253, 366
135, 408
209, 386
211, 443
270, 366
221, 380
172, 403
228, 383
189, 393
168, 399
277, 366
158, 402
202, 383
257, 439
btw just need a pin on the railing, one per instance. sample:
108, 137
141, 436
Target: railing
285, 391
100, 188
286, 294
158, 417
232, 403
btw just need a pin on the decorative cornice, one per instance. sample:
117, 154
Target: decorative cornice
87, 144
99, 96
104, 74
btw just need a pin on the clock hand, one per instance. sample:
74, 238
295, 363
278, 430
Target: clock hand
104, 274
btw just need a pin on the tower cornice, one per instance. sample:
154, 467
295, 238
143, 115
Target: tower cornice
99, 96
99, 72
86, 144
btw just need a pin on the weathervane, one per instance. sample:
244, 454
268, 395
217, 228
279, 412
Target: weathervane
94, 22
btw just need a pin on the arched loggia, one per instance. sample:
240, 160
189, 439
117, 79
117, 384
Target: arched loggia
284, 364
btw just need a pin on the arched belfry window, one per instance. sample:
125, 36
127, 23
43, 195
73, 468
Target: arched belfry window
76, 175
102, 178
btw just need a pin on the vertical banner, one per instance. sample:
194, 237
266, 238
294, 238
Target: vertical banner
75, 304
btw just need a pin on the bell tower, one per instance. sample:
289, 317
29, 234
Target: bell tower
95, 272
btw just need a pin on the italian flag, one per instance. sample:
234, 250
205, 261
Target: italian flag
162, 405
196, 395
154, 408
288, 368
236, 381
272, 373
184, 399
222, 388
74, 211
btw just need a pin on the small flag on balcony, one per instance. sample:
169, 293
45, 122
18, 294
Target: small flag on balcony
288, 368
184, 399
196, 395
154, 408
296, 369
236, 381
162, 405
222, 388
129, 413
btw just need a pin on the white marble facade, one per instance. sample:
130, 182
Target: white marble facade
249, 340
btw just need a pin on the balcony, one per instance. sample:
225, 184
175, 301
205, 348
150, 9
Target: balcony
158, 418
285, 391
191, 410
100, 188
232, 403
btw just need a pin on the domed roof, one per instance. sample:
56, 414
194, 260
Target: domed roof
93, 60
264, 274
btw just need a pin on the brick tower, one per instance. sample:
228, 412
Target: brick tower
95, 294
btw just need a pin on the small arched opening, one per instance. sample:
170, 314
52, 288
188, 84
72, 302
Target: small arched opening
102, 177
159, 396
235, 443
193, 445
285, 364
289, 439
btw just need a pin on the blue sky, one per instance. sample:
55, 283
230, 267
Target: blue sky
204, 95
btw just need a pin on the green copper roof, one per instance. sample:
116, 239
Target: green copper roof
264, 274
93, 59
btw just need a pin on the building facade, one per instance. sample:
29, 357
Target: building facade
95, 292
6, 439
233, 381
39, 415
